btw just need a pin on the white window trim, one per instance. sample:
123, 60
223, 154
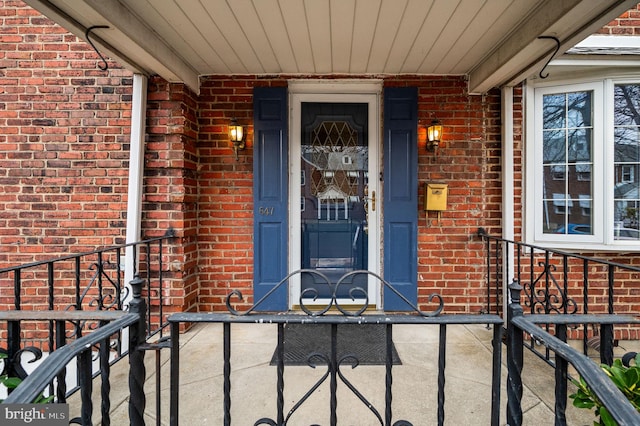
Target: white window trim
603, 129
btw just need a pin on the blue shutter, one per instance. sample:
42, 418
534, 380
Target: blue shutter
400, 196
270, 195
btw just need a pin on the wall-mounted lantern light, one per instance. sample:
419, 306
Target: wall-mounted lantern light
236, 136
434, 134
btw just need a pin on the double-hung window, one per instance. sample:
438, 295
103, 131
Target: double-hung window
583, 160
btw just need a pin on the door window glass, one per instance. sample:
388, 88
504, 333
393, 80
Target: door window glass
334, 161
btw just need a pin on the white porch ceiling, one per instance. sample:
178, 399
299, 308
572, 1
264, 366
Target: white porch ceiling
493, 42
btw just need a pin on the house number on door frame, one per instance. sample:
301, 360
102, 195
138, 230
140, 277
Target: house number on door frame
266, 211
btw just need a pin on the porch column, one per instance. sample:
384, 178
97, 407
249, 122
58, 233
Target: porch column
136, 172
507, 185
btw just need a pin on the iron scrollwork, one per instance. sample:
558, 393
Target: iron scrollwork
109, 295
102, 293
548, 299
311, 294
13, 367
356, 294
313, 361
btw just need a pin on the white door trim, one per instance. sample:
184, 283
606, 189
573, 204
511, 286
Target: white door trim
354, 91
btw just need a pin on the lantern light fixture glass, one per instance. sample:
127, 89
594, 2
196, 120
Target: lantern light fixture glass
236, 136
434, 135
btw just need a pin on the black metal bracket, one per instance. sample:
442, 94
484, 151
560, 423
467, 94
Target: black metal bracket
552, 56
162, 343
104, 65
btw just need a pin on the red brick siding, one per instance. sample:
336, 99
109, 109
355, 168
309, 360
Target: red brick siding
225, 199
170, 187
450, 257
63, 152
627, 24
63, 144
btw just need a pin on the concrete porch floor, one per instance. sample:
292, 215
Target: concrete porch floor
253, 382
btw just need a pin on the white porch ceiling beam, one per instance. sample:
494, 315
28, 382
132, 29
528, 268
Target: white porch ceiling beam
521, 53
147, 39
72, 25
125, 29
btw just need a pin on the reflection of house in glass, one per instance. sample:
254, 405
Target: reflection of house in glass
568, 162
334, 220
336, 183
562, 211
626, 190
568, 188
335, 170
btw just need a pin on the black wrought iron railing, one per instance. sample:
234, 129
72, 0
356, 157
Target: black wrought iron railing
51, 377
558, 282
90, 281
335, 316
61, 300
520, 325
547, 330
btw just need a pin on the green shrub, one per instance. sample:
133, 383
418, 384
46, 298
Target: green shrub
13, 382
627, 379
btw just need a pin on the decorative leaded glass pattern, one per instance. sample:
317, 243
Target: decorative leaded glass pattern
337, 158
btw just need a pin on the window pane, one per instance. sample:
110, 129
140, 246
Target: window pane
579, 145
579, 180
553, 111
554, 148
581, 198
626, 225
625, 174
626, 161
567, 154
627, 144
627, 104
553, 222
579, 109
555, 176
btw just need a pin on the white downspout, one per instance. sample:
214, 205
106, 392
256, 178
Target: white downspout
507, 191
136, 172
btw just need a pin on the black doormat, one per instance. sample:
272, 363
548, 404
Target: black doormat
366, 342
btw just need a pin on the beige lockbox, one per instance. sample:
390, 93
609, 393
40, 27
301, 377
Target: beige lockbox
435, 197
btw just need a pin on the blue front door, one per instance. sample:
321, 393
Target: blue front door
334, 162
317, 202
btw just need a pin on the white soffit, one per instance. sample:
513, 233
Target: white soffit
493, 42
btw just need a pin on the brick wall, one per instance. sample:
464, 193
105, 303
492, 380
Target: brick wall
170, 187
63, 144
627, 24
468, 160
64, 165
225, 238
450, 256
